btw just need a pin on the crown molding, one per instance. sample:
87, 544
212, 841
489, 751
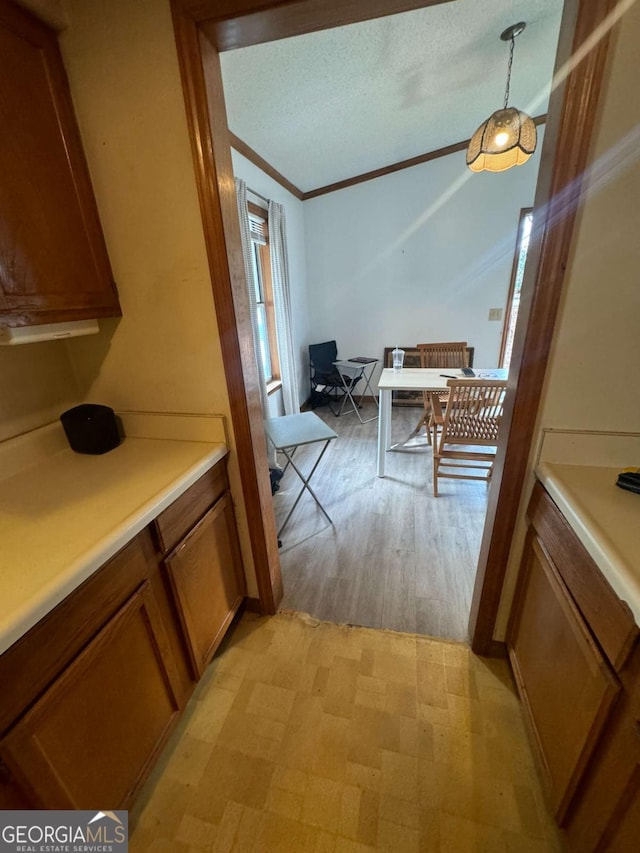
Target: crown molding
242, 148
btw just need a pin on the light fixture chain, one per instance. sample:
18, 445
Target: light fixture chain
506, 91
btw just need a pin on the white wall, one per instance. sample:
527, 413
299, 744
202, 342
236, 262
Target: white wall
599, 322
164, 355
37, 384
414, 256
257, 180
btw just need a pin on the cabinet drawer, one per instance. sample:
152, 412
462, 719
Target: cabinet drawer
610, 619
176, 521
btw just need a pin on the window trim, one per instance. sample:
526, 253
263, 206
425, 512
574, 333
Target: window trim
524, 213
264, 254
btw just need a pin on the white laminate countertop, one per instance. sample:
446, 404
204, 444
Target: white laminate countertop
605, 518
65, 515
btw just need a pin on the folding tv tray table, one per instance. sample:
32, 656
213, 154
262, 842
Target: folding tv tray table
356, 369
289, 432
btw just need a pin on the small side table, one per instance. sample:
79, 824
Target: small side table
354, 369
289, 432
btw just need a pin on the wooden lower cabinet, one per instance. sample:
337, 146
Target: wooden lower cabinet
207, 580
606, 815
12, 795
573, 647
87, 742
623, 832
566, 685
90, 694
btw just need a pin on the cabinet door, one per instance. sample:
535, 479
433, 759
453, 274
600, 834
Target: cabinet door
90, 739
206, 575
624, 827
606, 814
566, 685
54, 261
11, 796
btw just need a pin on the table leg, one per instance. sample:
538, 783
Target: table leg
384, 428
348, 393
305, 484
367, 384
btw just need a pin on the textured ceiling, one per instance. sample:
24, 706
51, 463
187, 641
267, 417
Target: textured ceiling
327, 106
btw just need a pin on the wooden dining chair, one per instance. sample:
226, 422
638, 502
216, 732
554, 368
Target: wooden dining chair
465, 436
452, 354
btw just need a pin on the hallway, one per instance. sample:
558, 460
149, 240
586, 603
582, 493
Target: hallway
308, 737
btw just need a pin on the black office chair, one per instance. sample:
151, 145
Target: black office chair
327, 386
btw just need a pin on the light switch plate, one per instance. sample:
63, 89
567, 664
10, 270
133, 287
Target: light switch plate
495, 313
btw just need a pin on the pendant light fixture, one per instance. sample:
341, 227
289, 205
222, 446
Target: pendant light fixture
508, 137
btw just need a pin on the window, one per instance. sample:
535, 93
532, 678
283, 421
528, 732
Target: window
513, 300
261, 262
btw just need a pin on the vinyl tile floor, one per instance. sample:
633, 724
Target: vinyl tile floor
310, 737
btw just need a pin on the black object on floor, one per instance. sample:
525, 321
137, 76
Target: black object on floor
275, 475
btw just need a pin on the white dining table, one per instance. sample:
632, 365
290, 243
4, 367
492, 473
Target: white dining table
416, 379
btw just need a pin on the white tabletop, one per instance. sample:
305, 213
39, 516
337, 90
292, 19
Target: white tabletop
417, 379
293, 430
351, 362
431, 378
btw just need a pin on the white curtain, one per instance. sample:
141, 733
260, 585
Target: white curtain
247, 249
282, 306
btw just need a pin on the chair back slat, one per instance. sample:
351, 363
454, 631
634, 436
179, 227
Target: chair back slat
471, 420
449, 354
445, 354
474, 411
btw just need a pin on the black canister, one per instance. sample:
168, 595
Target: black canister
91, 428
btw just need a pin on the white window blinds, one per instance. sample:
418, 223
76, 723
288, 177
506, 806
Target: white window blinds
258, 229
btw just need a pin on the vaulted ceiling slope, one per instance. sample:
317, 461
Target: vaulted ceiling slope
327, 106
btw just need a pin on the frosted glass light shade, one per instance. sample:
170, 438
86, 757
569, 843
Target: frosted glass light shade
507, 138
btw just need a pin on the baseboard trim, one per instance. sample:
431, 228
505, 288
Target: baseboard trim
306, 406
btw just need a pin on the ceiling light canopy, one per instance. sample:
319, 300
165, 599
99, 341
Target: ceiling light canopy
508, 137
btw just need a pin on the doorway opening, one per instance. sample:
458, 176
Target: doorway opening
202, 29
409, 561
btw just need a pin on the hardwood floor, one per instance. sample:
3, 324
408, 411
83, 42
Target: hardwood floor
395, 556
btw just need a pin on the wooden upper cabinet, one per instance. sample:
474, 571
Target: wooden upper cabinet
54, 265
